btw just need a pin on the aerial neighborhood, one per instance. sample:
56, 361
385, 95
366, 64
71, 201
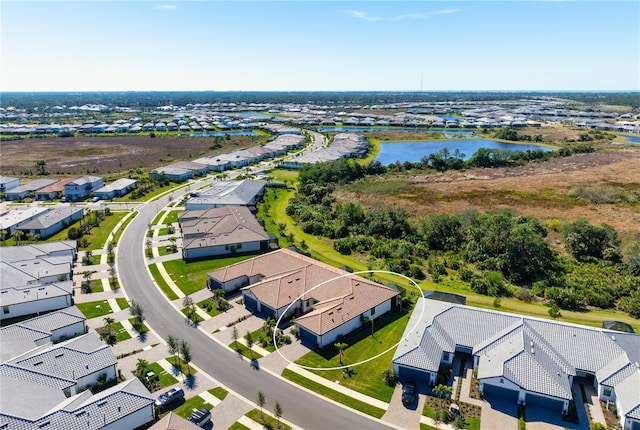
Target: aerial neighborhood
484, 275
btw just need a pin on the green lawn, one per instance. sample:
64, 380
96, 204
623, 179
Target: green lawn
122, 334
367, 377
163, 231
164, 287
122, 303
427, 427
162, 250
237, 346
333, 395
186, 409
166, 378
94, 309
192, 276
152, 195
118, 233
214, 309
266, 419
219, 392
258, 336
96, 286
98, 236
176, 361
142, 329
172, 216
238, 426
195, 315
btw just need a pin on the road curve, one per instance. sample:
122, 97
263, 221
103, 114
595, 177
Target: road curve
303, 409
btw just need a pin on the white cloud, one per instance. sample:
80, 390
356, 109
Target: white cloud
363, 15
165, 7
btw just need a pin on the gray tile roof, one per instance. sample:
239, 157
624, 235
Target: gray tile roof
52, 217
14, 295
229, 193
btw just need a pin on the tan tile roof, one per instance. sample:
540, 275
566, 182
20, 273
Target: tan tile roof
220, 226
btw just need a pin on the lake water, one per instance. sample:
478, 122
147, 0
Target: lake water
634, 139
390, 152
446, 132
222, 133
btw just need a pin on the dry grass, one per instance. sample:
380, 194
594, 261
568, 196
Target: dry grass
539, 189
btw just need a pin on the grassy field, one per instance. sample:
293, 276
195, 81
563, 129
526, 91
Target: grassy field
238, 426
122, 303
98, 236
192, 276
94, 309
166, 378
367, 377
219, 392
164, 287
333, 395
122, 334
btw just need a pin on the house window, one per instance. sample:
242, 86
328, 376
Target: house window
606, 392
5, 309
239, 246
445, 356
373, 310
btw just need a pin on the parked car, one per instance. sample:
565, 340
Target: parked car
409, 393
200, 417
95, 199
169, 397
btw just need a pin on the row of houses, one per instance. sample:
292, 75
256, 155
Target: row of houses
344, 145
327, 302
526, 360
72, 190
37, 278
48, 366
185, 170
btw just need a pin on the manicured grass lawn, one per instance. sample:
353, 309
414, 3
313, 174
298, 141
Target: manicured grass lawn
332, 394
142, 329
427, 427
172, 216
368, 376
238, 426
122, 303
96, 286
98, 236
237, 346
153, 268
153, 194
94, 309
166, 378
162, 250
219, 392
258, 336
268, 421
176, 361
163, 231
191, 277
214, 310
157, 218
195, 315
472, 423
122, 334
116, 236
186, 409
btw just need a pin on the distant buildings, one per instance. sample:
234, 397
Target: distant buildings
81, 188
223, 193
117, 188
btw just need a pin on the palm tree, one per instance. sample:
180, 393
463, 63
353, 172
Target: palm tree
86, 275
17, 236
442, 391
108, 330
268, 326
341, 346
172, 346
142, 368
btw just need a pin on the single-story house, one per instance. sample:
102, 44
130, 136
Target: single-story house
10, 221
328, 301
117, 188
221, 231
214, 163
8, 182
81, 188
34, 299
53, 191
180, 171
49, 223
224, 193
23, 191
526, 360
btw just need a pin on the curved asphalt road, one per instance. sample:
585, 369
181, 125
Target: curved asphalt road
301, 408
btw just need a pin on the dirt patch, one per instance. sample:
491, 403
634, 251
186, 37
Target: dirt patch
109, 154
538, 189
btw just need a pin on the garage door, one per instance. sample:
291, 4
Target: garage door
250, 304
496, 391
411, 374
544, 402
307, 338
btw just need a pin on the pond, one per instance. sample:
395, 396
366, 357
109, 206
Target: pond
390, 152
448, 133
634, 139
222, 133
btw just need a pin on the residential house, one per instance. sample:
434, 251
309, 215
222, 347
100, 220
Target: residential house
23, 191
10, 221
221, 231
224, 193
34, 299
8, 182
48, 387
81, 188
330, 302
180, 171
53, 191
526, 360
117, 188
49, 223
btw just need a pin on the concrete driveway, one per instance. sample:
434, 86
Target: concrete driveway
498, 414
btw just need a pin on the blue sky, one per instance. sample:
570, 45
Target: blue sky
319, 46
